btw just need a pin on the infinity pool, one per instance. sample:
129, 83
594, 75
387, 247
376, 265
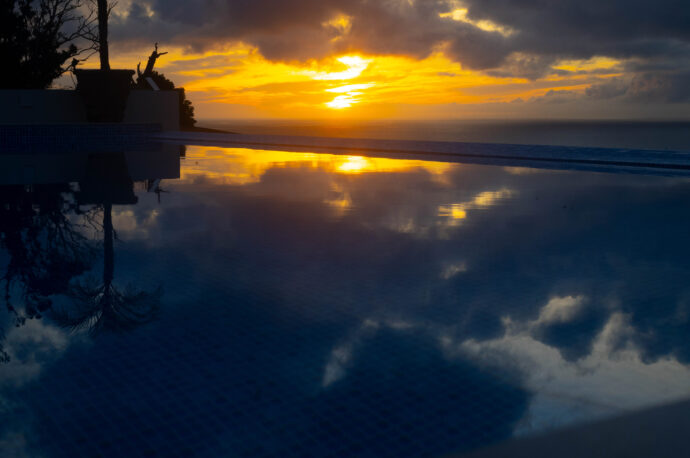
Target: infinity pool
236, 302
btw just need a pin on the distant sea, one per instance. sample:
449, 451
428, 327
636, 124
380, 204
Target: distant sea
608, 134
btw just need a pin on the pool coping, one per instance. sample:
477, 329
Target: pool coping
540, 156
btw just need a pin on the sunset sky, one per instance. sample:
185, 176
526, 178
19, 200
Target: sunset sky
416, 59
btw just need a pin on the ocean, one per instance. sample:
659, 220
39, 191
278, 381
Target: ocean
667, 135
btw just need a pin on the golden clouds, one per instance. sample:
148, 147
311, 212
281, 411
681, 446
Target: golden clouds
355, 65
239, 81
460, 14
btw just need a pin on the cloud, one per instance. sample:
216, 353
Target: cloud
31, 348
341, 356
666, 87
525, 66
611, 379
557, 96
540, 33
560, 310
586, 28
611, 88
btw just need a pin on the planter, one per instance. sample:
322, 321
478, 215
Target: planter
105, 93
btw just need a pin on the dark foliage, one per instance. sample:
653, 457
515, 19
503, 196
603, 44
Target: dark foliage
36, 40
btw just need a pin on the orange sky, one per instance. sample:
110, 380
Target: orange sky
238, 82
405, 59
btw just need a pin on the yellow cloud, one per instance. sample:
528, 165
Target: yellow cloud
460, 14
237, 78
355, 66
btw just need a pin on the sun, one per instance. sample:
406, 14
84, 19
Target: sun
341, 101
354, 164
348, 93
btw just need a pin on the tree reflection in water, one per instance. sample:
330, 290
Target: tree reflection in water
102, 306
42, 231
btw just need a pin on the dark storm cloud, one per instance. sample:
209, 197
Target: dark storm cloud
620, 28
541, 32
668, 87
611, 88
555, 96
665, 87
287, 30
526, 66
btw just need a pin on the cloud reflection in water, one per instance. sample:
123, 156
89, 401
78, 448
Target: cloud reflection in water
547, 284
356, 302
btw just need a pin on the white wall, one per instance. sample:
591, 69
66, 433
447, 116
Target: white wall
24, 107
40, 107
157, 107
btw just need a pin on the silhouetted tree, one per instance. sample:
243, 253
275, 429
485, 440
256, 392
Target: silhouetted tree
103, 13
37, 38
164, 84
98, 36
103, 307
150, 63
186, 111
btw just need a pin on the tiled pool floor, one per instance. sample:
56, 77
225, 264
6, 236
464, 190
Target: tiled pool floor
268, 303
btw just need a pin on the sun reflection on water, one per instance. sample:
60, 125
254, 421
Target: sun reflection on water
242, 166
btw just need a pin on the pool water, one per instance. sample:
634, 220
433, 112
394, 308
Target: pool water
236, 302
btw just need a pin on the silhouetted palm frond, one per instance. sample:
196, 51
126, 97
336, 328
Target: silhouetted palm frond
103, 308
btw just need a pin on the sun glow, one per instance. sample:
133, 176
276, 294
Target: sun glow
355, 66
350, 93
354, 164
241, 166
349, 88
342, 101
238, 82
